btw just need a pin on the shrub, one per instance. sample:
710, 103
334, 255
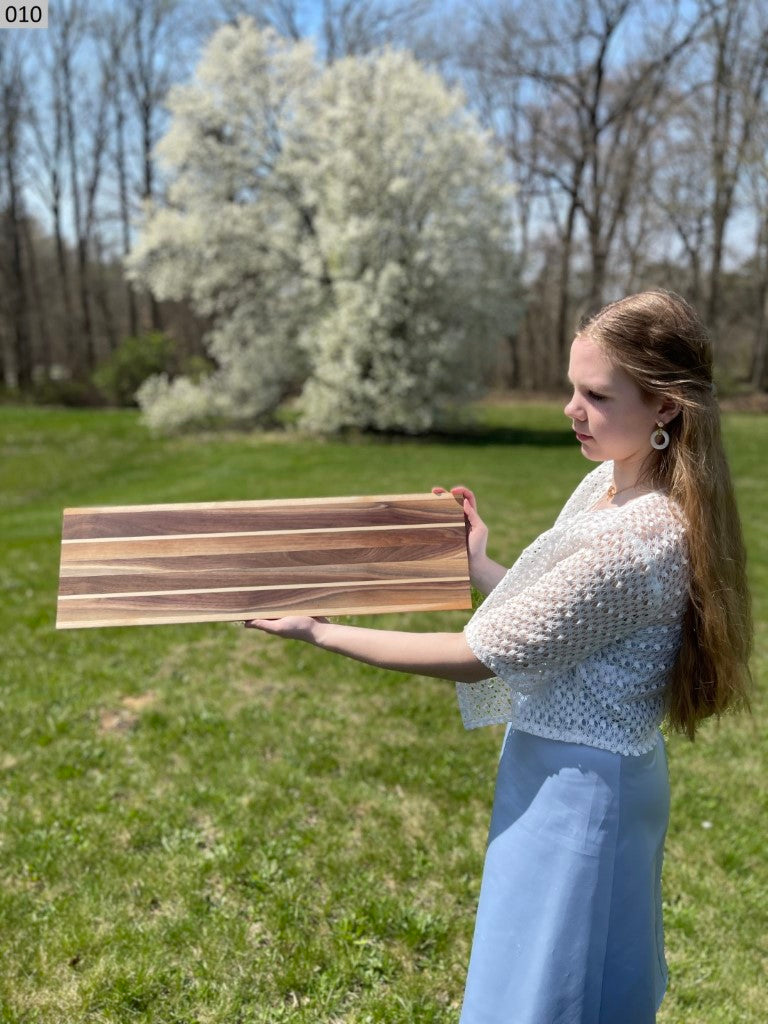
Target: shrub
68, 392
121, 376
171, 406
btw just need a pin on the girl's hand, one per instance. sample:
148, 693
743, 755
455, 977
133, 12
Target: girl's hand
477, 531
294, 627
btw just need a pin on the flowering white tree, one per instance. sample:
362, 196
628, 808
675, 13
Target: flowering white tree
346, 229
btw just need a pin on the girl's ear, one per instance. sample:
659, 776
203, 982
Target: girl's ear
668, 410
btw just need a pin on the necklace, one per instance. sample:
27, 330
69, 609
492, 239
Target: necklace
612, 492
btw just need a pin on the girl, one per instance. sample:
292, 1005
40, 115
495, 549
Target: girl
633, 607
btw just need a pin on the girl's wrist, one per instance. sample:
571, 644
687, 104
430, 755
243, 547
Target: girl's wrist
318, 630
486, 574
479, 569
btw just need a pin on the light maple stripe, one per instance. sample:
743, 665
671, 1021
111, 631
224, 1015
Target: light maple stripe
267, 504
176, 618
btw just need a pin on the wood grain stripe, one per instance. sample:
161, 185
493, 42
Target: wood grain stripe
258, 541
229, 518
341, 584
216, 579
262, 503
434, 595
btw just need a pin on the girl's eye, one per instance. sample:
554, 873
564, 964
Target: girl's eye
595, 396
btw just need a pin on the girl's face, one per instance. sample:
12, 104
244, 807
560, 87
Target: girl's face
610, 416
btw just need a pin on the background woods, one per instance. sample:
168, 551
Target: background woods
634, 134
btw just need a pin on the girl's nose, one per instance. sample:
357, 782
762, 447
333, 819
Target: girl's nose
571, 408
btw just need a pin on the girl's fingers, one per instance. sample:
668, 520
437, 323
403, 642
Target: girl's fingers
295, 626
460, 493
269, 625
464, 492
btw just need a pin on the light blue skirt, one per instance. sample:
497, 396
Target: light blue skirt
569, 927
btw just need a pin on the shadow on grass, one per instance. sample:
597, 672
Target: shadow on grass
478, 436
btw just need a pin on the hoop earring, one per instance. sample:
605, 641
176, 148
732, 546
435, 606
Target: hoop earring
659, 438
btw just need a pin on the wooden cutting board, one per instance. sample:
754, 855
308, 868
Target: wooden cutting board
146, 565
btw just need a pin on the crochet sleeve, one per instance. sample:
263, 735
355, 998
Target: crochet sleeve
595, 596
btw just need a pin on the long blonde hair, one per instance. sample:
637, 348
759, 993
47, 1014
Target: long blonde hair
658, 339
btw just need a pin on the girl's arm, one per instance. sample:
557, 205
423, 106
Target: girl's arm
441, 655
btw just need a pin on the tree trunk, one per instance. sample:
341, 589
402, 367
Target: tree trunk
39, 306
597, 275
6, 356
513, 371
125, 210
84, 287
714, 300
759, 369
155, 314
759, 373
563, 330
22, 349
103, 298
71, 346
82, 247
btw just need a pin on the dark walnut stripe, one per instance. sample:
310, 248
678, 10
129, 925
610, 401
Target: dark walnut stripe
333, 556
255, 576
431, 595
220, 518
353, 545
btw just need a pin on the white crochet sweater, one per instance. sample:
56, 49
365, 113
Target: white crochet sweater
583, 629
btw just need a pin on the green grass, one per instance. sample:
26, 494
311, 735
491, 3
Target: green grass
199, 824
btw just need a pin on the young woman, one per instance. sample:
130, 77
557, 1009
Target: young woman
633, 607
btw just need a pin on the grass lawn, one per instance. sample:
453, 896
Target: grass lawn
203, 825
